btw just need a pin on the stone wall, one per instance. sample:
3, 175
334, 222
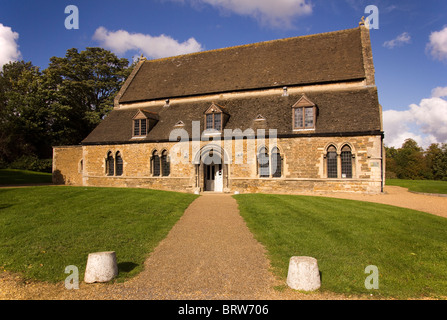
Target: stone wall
303, 165
68, 165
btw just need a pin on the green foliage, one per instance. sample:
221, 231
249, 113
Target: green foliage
81, 88
24, 127
59, 106
412, 162
32, 163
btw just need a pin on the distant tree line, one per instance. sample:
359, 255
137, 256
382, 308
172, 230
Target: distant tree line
60, 105
413, 162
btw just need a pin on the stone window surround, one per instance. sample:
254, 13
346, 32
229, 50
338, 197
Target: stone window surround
161, 170
339, 148
111, 157
274, 150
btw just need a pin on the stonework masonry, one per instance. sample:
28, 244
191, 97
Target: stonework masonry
303, 165
67, 165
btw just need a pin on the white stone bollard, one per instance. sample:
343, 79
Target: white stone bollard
303, 274
101, 267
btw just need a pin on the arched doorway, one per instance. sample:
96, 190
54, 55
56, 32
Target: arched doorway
212, 173
211, 169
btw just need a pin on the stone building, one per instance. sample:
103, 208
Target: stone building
284, 116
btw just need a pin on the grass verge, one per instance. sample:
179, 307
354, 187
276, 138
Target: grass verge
425, 186
408, 247
21, 177
45, 229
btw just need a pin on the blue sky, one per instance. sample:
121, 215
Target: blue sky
409, 48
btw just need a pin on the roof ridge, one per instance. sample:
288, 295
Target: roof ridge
251, 44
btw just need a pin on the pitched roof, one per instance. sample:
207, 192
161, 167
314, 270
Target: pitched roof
321, 58
339, 112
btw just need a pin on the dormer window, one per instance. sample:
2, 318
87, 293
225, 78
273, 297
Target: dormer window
304, 114
143, 121
140, 127
304, 118
215, 117
214, 121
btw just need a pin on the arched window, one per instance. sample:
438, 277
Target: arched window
263, 163
110, 164
155, 159
331, 158
346, 162
276, 163
119, 164
165, 165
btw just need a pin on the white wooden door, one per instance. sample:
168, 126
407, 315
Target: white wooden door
218, 180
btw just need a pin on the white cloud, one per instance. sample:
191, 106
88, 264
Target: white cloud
431, 116
438, 44
426, 123
400, 40
9, 49
439, 92
277, 13
161, 46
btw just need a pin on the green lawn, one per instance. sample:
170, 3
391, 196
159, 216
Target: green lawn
45, 229
426, 186
408, 247
18, 177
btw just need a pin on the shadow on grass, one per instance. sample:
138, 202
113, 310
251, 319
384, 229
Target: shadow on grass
126, 266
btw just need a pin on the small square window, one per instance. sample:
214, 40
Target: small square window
304, 118
140, 127
304, 114
214, 121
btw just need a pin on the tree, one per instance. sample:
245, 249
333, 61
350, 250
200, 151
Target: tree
80, 89
391, 166
410, 162
58, 106
438, 161
23, 112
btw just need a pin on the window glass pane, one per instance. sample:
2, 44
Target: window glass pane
276, 164
217, 121
110, 165
119, 164
209, 121
346, 163
136, 127
299, 118
156, 164
143, 127
165, 165
332, 164
309, 117
263, 160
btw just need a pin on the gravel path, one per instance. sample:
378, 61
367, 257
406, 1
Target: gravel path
208, 254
